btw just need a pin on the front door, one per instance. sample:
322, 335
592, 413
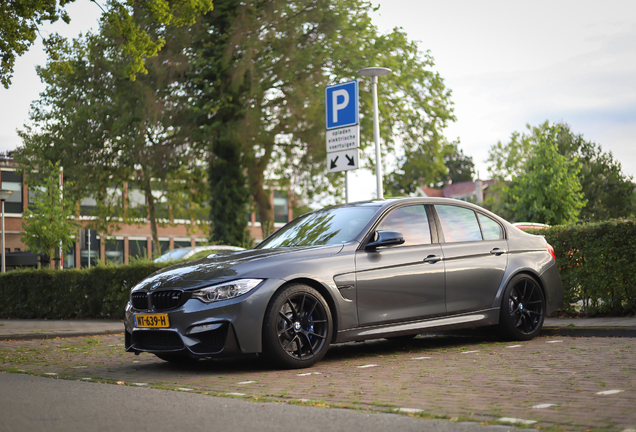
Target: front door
405, 282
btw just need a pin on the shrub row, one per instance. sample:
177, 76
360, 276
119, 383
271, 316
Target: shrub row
99, 292
598, 265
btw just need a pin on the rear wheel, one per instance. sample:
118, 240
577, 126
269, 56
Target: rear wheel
297, 328
523, 309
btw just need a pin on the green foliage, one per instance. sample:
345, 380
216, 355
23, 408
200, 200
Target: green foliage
549, 191
597, 262
416, 169
47, 222
108, 131
20, 20
608, 192
271, 62
99, 292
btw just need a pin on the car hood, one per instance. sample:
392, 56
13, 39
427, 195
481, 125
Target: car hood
231, 265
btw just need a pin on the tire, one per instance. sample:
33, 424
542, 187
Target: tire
522, 309
180, 359
297, 329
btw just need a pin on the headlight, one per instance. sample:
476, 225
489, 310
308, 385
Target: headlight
226, 290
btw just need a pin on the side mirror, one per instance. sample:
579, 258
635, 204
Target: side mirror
386, 238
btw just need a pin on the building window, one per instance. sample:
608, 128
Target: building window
138, 249
69, 257
13, 182
281, 210
114, 251
93, 254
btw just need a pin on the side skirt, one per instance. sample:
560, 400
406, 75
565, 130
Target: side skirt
481, 318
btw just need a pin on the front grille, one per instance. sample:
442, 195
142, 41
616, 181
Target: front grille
162, 300
140, 300
157, 340
214, 340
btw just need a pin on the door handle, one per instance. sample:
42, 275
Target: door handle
497, 251
432, 259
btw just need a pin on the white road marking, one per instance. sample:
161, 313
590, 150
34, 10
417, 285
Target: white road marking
542, 406
557, 341
514, 346
140, 384
367, 366
185, 389
470, 352
516, 421
410, 410
609, 392
50, 373
420, 358
247, 382
79, 367
235, 394
86, 379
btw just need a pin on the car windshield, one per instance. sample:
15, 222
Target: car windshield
321, 228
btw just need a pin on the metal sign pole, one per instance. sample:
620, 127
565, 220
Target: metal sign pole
62, 207
346, 187
4, 269
89, 248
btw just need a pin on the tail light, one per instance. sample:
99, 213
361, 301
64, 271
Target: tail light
550, 249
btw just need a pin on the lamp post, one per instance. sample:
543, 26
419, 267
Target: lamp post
374, 73
4, 195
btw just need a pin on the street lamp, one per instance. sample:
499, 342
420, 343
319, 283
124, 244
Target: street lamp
4, 195
374, 73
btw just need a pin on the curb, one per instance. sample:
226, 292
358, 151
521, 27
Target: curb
36, 336
590, 331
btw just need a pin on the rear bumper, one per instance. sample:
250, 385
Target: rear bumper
553, 288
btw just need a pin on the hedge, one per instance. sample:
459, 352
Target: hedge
597, 262
99, 292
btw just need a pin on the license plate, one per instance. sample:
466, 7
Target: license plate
152, 320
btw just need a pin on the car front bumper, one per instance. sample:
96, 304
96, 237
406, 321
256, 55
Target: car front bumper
219, 329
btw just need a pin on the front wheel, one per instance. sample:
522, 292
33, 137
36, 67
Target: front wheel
522, 309
297, 328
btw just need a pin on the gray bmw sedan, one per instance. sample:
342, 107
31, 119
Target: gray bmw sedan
377, 269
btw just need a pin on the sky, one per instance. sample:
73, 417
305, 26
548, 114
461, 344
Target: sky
508, 64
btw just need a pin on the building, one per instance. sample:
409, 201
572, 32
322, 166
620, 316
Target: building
129, 241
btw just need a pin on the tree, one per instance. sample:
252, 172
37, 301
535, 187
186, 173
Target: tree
20, 20
608, 192
48, 222
549, 191
261, 68
416, 170
108, 131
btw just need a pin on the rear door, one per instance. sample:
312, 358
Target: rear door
475, 257
403, 282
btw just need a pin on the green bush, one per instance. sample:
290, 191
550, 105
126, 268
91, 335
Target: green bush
598, 265
99, 292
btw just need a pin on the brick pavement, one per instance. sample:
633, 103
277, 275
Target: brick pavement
451, 377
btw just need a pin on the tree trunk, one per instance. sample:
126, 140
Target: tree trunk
151, 216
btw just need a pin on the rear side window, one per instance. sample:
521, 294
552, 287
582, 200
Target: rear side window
411, 221
490, 228
459, 224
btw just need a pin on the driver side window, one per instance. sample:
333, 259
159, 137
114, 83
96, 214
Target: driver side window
411, 221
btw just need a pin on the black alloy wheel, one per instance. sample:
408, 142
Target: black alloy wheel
298, 327
523, 308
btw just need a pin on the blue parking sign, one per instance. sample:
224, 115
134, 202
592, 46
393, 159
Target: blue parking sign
341, 104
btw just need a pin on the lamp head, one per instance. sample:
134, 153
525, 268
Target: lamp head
5, 194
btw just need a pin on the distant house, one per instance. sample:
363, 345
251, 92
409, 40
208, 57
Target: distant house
473, 191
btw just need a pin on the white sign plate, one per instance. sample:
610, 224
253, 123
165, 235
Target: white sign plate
346, 138
342, 161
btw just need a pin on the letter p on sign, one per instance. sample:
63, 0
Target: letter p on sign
341, 105
339, 94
